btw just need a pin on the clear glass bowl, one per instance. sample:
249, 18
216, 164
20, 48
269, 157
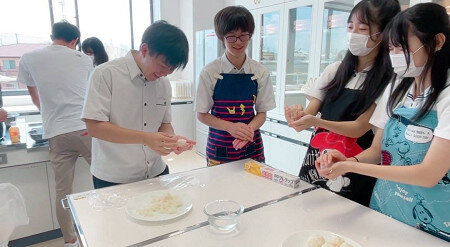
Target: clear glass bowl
223, 214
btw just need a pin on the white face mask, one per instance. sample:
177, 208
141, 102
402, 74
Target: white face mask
91, 57
357, 43
400, 65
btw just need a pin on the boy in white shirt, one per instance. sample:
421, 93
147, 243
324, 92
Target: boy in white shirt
127, 109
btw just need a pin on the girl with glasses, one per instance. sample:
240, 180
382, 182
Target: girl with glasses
234, 93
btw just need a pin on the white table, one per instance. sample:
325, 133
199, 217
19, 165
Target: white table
316, 210
112, 227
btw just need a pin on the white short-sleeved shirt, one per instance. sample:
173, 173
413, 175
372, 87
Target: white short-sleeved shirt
207, 80
119, 93
60, 75
442, 107
316, 89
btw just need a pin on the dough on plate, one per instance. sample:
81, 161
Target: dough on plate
344, 244
336, 240
315, 240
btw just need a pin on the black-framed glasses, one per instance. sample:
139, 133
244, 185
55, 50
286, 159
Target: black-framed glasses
243, 38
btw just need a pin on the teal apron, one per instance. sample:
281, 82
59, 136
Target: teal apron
406, 142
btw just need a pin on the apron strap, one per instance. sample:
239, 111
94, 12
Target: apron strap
407, 121
218, 76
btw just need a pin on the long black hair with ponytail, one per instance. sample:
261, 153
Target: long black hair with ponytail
378, 12
425, 21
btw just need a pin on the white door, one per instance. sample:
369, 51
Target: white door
267, 142
286, 156
299, 46
183, 119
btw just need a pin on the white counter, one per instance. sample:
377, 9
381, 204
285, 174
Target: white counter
112, 227
262, 224
316, 210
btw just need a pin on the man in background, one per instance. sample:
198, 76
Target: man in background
57, 78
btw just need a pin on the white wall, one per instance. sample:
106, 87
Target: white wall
186, 24
204, 13
191, 16
170, 11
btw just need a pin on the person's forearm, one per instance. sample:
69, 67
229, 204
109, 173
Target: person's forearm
370, 155
414, 175
353, 129
258, 120
313, 106
112, 133
373, 153
34, 96
213, 121
37, 103
167, 128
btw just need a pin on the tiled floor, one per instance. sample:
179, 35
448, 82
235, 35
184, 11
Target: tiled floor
177, 163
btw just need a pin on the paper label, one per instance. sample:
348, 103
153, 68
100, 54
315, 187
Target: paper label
418, 134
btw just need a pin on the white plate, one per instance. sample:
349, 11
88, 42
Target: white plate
299, 239
144, 200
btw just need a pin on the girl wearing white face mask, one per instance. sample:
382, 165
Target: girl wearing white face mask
345, 95
412, 141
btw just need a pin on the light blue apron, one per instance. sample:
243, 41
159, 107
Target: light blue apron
406, 143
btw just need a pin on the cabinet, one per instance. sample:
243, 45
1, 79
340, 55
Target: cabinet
267, 44
32, 182
298, 65
283, 155
296, 40
82, 182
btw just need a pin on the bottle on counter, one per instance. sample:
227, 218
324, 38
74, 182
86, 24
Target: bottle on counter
14, 133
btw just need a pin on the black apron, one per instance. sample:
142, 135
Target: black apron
353, 186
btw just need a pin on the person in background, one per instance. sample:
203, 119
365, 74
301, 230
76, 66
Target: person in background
93, 47
57, 78
3, 115
231, 89
128, 111
345, 95
413, 126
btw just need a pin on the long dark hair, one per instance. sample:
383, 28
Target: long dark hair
378, 12
424, 21
95, 46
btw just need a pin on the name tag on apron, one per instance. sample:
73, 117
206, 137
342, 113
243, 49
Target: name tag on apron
418, 134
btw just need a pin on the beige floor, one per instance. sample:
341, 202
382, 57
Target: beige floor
177, 163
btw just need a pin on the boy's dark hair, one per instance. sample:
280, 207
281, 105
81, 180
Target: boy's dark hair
65, 31
164, 39
233, 18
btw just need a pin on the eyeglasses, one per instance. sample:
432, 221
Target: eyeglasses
243, 38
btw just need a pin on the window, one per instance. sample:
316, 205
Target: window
28, 29
141, 20
119, 27
9, 64
64, 10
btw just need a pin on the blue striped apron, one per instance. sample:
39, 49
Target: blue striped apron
234, 100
